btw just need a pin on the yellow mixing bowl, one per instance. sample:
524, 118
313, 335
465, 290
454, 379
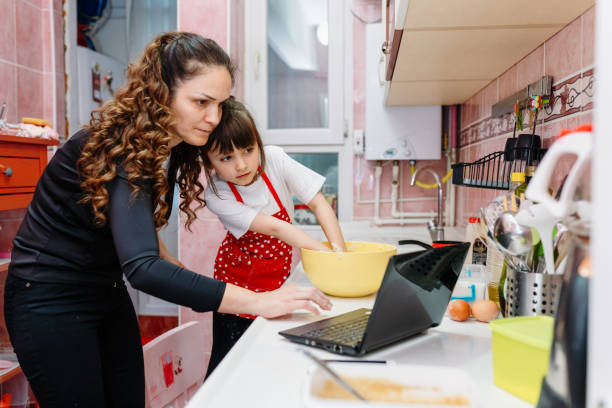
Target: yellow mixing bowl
355, 273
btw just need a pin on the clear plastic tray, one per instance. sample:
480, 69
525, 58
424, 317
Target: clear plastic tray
430, 382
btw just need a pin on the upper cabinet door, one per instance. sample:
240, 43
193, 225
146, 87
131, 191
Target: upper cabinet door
293, 70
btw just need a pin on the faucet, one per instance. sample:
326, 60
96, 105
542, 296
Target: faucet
436, 231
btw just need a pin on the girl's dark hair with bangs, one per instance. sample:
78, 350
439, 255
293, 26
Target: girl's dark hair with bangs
236, 129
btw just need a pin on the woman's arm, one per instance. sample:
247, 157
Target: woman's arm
289, 233
327, 220
279, 302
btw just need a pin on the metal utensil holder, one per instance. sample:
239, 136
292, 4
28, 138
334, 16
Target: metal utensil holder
531, 294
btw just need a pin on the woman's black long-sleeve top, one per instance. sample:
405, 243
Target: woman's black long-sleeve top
58, 241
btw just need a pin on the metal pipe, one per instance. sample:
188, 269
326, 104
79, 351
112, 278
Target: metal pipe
435, 175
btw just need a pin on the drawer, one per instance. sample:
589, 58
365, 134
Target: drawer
25, 171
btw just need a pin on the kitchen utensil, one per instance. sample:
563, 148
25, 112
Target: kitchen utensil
510, 259
521, 346
514, 238
565, 384
539, 217
579, 144
333, 375
355, 273
531, 294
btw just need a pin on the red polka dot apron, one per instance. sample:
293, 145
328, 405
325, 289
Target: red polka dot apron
255, 261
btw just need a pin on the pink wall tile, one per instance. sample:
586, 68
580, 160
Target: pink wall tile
588, 38
7, 30
508, 82
29, 93
530, 68
205, 17
47, 97
8, 90
358, 75
585, 118
491, 96
29, 35
60, 118
57, 48
479, 110
237, 47
47, 52
563, 51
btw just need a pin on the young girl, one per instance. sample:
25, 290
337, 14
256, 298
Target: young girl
250, 188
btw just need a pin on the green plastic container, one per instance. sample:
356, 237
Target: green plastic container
521, 350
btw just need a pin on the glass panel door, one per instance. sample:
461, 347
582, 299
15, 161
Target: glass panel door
293, 81
297, 65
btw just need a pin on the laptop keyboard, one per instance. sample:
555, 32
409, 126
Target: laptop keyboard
349, 332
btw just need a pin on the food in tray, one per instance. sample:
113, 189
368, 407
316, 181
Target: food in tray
385, 390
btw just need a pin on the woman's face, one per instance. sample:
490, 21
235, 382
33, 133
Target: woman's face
197, 105
238, 167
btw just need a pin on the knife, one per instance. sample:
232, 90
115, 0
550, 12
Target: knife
333, 374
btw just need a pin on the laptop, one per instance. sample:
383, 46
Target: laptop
413, 297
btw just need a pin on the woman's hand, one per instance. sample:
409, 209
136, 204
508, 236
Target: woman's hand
290, 298
279, 302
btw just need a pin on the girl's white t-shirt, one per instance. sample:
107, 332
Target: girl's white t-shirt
288, 177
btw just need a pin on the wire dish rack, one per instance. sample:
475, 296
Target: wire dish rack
495, 169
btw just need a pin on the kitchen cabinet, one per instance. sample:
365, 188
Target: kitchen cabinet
441, 52
22, 161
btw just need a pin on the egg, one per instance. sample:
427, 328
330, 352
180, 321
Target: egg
485, 310
459, 310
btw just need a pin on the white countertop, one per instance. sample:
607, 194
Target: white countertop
266, 370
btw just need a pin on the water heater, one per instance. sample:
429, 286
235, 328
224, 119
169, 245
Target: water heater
396, 132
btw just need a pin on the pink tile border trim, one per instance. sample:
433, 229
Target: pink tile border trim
572, 95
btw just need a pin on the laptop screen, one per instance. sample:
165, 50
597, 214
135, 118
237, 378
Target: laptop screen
414, 293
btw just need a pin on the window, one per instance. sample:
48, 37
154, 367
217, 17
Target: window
295, 83
293, 70
327, 165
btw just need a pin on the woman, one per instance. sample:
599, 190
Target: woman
94, 216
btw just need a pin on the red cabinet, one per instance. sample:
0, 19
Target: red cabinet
22, 161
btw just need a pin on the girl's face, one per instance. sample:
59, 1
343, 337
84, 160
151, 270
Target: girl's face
197, 105
238, 167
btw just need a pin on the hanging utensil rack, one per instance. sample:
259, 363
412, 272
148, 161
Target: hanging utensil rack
494, 170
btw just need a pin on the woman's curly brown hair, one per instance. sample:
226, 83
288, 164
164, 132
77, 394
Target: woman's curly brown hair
133, 131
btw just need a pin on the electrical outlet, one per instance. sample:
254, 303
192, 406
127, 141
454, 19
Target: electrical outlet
358, 142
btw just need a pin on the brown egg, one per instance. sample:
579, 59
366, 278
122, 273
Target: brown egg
485, 310
459, 310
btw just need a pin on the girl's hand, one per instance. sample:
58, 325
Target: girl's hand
290, 298
166, 255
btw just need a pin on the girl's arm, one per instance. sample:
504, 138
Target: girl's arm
289, 233
328, 221
165, 254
